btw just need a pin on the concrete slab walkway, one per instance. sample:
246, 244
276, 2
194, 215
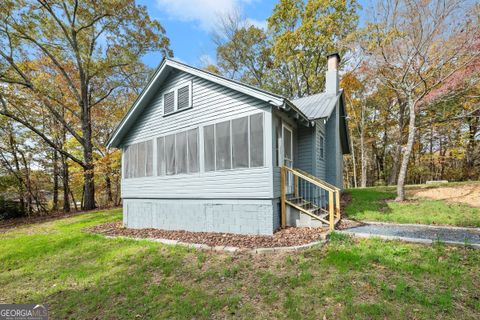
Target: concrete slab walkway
418, 233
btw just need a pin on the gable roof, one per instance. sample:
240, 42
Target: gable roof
303, 108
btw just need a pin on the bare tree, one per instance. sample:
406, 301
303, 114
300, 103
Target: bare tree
81, 48
415, 46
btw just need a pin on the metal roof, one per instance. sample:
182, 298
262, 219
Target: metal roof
317, 106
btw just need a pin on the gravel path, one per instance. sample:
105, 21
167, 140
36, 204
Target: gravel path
412, 232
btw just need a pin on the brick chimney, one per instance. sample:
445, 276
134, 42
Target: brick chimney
331, 79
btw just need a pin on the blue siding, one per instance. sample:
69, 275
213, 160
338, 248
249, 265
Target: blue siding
320, 167
334, 155
306, 149
211, 103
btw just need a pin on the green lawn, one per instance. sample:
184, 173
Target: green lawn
85, 276
376, 204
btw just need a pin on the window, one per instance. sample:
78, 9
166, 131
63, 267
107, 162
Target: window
287, 144
181, 152
178, 153
170, 153
192, 140
149, 158
240, 142
179, 98
278, 141
256, 140
138, 160
183, 100
223, 157
169, 102
161, 165
321, 152
234, 144
209, 147
126, 162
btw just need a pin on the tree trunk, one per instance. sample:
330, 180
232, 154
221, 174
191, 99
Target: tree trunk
398, 149
108, 187
66, 185
406, 154
470, 158
432, 166
21, 188
88, 202
363, 159
55, 181
73, 200
354, 167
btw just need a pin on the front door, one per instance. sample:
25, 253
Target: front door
287, 137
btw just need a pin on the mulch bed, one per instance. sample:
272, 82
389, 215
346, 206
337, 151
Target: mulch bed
283, 238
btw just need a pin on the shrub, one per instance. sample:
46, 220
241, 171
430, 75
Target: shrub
11, 209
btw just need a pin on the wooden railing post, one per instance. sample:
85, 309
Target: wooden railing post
295, 184
337, 203
330, 210
283, 196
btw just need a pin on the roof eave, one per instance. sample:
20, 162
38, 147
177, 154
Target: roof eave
113, 137
288, 105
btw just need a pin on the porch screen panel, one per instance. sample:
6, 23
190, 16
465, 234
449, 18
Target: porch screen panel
256, 140
134, 157
209, 147
181, 152
170, 153
126, 162
149, 158
278, 137
240, 142
287, 143
133, 160
193, 150
222, 145
140, 167
161, 166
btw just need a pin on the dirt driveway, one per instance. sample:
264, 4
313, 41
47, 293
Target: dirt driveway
467, 194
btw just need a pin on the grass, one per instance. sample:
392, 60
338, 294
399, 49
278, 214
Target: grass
81, 275
376, 204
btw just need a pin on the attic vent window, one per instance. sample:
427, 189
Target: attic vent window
169, 102
183, 98
178, 99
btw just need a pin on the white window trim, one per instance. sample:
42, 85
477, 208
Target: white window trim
175, 98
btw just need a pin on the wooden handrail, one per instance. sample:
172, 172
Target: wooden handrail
331, 186
333, 195
310, 179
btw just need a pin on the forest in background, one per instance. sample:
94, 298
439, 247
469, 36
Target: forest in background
69, 71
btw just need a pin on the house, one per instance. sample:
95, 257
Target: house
205, 153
